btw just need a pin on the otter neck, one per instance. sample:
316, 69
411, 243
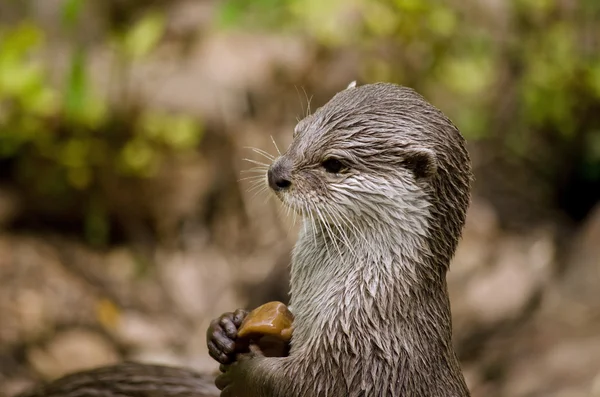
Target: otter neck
378, 295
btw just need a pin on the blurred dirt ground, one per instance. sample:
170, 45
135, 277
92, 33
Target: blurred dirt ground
526, 302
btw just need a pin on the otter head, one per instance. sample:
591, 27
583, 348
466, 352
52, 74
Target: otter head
378, 157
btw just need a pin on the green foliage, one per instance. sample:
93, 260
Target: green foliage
70, 12
63, 141
266, 13
143, 37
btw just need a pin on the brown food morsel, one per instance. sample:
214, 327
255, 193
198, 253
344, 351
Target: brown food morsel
271, 319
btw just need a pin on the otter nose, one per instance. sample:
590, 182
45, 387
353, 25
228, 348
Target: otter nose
279, 176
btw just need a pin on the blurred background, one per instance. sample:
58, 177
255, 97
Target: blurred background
126, 224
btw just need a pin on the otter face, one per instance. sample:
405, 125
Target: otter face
377, 154
361, 157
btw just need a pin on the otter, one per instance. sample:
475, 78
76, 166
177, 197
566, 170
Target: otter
381, 179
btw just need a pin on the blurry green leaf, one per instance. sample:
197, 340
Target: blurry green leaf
4, 117
177, 131
144, 35
42, 102
468, 75
230, 13
153, 124
17, 78
80, 105
380, 19
138, 157
17, 42
100, 153
258, 13
551, 66
594, 78
590, 7
536, 6
442, 21
76, 92
70, 11
74, 153
80, 177
9, 143
410, 5
326, 20
472, 121
96, 111
183, 133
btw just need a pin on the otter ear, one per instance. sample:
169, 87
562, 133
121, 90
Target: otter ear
351, 85
422, 162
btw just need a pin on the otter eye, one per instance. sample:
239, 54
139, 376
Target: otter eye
332, 166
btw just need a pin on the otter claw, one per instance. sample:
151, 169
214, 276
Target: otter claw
222, 334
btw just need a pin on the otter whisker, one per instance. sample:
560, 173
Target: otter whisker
259, 191
338, 226
259, 177
333, 224
299, 100
275, 144
255, 178
259, 172
252, 178
255, 170
287, 214
314, 225
256, 162
288, 209
256, 185
357, 233
343, 239
282, 211
328, 230
308, 101
263, 202
263, 168
320, 225
255, 189
295, 217
256, 192
263, 153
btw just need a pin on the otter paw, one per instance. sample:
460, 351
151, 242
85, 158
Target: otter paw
221, 337
233, 378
